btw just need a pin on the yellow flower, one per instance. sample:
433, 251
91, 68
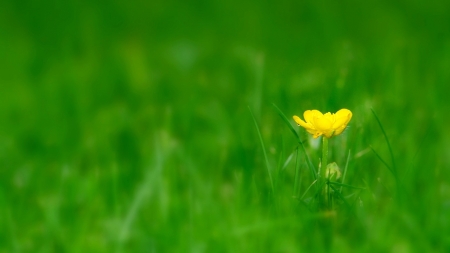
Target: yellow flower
328, 124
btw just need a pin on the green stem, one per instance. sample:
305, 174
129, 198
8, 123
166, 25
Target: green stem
324, 200
323, 168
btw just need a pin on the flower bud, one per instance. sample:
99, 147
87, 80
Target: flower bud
333, 172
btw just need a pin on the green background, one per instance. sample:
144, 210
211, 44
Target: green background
125, 125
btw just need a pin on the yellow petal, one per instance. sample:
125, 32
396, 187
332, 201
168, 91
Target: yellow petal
311, 131
340, 122
327, 124
302, 123
330, 117
329, 133
297, 119
309, 115
317, 134
322, 123
339, 130
342, 117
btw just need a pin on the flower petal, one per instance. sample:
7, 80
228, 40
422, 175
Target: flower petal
311, 131
323, 124
329, 116
310, 114
342, 117
339, 130
302, 123
329, 133
317, 134
327, 124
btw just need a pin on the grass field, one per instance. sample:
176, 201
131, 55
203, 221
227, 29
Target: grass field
127, 126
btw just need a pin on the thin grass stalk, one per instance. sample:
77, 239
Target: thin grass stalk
345, 170
394, 169
269, 172
297, 169
285, 119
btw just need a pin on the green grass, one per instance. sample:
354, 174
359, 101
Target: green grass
125, 127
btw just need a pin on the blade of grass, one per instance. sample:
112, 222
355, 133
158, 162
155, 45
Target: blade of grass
369, 189
309, 163
385, 186
288, 160
345, 170
346, 185
304, 194
340, 196
382, 160
285, 119
394, 168
297, 170
279, 166
141, 196
388, 143
264, 150
397, 180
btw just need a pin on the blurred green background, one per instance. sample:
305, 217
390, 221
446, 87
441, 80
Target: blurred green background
125, 125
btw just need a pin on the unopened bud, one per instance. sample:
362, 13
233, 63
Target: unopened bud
333, 172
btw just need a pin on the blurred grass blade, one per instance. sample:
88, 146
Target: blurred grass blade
387, 141
310, 165
382, 160
307, 190
288, 160
264, 150
285, 119
341, 197
346, 185
142, 195
297, 171
394, 168
345, 169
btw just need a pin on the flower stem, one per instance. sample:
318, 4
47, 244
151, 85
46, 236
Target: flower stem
324, 201
323, 168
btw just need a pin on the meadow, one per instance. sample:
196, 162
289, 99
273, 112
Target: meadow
135, 126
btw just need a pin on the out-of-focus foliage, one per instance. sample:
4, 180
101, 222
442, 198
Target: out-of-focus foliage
124, 125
